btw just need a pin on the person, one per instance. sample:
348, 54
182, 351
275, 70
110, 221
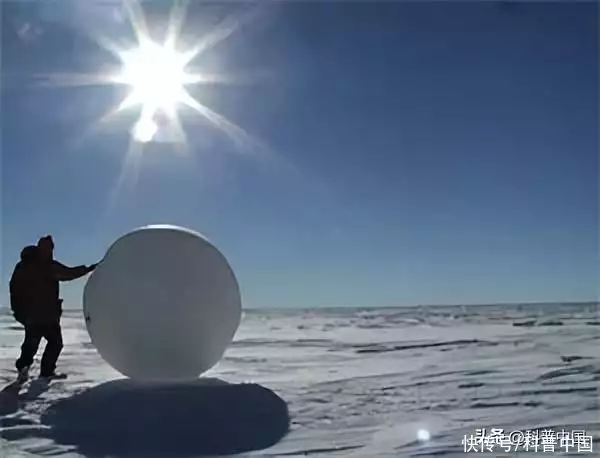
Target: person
38, 287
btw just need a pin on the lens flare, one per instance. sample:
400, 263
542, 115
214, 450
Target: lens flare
144, 130
423, 435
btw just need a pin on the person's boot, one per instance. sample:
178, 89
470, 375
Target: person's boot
23, 374
53, 375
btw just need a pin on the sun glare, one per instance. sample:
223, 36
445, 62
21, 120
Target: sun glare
157, 77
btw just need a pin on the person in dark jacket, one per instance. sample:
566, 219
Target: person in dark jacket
44, 309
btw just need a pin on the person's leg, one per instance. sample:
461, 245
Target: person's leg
54, 345
29, 348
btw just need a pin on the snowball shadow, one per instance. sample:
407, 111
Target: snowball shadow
124, 418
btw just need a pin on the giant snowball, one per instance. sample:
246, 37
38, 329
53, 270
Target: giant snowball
162, 305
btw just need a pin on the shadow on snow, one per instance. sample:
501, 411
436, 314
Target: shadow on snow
123, 418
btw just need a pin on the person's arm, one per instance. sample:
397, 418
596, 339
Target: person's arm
64, 273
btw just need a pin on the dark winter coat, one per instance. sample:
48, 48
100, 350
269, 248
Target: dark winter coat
35, 291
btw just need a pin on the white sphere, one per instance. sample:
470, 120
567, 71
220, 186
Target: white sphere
163, 304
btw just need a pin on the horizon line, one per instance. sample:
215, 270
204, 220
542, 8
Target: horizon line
472, 304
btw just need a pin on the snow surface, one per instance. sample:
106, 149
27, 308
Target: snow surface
360, 383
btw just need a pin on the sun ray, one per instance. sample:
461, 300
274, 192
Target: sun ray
73, 79
138, 20
129, 173
236, 133
181, 145
221, 32
112, 112
226, 79
175, 24
128, 102
108, 45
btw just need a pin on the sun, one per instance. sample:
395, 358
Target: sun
155, 73
157, 76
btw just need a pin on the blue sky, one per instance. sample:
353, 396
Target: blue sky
414, 153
